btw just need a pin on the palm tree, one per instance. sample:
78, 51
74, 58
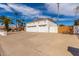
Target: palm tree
15, 14
6, 21
21, 23
18, 22
76, 22
62, 25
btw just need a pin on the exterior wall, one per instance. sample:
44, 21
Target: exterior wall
53, 27
76, 29
42, 26
31, 27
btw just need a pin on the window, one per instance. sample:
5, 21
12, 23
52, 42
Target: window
42, 25
31, 26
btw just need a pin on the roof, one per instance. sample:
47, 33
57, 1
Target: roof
40, 19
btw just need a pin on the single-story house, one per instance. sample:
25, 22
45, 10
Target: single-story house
42, 25
76, 27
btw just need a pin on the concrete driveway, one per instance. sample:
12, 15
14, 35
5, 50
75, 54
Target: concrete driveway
37, 44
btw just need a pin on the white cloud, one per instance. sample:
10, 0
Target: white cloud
6, 8
25, 10
64, 9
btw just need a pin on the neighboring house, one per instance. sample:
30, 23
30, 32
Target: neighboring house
42, 25
2, 27
76, 27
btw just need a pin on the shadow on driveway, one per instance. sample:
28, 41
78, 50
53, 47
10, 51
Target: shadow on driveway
74, 51
77, 36
1, 51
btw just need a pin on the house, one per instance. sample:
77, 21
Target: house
76, 27
42, 25
2, 27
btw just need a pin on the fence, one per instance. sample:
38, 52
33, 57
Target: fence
3, 33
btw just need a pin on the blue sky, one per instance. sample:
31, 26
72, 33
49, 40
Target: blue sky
31, 11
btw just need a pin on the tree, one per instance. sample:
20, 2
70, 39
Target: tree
17, 14
14, 12
62, 25
20, 23
76, 22
6, 21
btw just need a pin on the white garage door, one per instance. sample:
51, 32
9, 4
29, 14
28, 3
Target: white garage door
53, 29
43, 29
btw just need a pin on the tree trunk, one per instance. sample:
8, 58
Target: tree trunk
7, 27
